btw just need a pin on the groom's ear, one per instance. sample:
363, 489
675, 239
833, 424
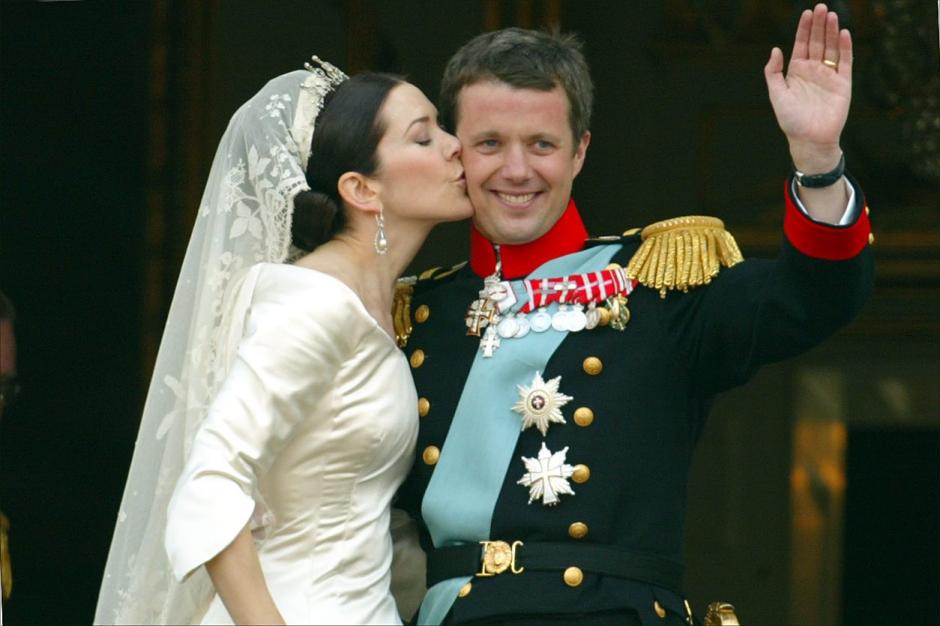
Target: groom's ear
360, 191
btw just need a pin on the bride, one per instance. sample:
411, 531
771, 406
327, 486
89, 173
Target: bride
281, 417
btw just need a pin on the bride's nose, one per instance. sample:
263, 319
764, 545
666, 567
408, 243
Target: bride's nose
454, 147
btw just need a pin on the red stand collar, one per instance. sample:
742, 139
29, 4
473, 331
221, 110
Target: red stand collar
565, 237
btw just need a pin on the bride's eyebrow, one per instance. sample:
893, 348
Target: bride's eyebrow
426, 119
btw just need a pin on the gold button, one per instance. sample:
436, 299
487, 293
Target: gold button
573, 576
613, 266
422, 313
604, 318
583, 416
417, 359
867, 211
871, 238
660, 611
581, 473
430, 455
578, 530
592, 365
465, 590
423, 406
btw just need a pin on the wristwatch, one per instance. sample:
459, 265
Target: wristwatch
820, 180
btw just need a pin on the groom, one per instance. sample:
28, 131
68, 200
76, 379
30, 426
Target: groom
564, 381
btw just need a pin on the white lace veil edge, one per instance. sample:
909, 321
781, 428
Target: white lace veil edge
244, 218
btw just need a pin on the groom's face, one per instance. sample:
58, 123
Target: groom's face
520, 158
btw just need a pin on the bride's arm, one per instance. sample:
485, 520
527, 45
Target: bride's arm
239, 581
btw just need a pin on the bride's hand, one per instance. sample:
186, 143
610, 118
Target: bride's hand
239, 581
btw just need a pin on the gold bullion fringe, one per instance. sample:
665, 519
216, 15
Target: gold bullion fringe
401, 311
683, 252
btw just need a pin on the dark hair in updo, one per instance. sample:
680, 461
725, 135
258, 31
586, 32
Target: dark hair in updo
347, 132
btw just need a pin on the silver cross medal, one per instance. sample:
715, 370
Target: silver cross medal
547, 476
490, 342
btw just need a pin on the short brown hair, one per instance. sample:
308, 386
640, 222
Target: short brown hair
525, 59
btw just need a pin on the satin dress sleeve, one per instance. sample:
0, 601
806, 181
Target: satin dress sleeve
293, 344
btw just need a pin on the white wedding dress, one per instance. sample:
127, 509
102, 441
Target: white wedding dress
308, 439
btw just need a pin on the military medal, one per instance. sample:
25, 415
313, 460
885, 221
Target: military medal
490, 342
560, 319
592, 318
540, 403
493, 312
577, 320
541, 321
508, 327
479, 315
547, 476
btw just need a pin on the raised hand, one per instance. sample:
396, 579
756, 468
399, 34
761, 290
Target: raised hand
811, 101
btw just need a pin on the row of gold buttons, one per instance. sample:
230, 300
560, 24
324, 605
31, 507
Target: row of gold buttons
583, 416
431, 454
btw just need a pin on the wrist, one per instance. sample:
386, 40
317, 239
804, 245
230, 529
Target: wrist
814, 158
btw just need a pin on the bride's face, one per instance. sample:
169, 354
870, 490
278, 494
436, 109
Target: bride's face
419, 163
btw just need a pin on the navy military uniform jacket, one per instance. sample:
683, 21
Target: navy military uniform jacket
633, 422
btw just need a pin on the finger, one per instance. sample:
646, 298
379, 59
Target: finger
845, 53
817, 42
773, 72
801, 43
832, 38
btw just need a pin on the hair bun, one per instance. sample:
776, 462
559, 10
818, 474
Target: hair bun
314, 220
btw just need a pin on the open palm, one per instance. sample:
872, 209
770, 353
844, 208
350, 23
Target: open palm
811, 102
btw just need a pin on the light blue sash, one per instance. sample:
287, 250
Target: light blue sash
460, 498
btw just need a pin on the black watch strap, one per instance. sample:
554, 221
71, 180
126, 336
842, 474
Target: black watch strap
820, 180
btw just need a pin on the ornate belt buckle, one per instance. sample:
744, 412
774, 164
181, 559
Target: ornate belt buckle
498, 556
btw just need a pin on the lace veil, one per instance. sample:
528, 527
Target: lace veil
244, 218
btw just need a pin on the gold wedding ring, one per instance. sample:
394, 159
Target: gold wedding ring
834, 65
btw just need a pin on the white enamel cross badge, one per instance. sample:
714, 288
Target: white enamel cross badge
547, 476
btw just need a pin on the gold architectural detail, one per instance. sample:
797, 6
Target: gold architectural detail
6, 567
660, 611
683, 252
721, 614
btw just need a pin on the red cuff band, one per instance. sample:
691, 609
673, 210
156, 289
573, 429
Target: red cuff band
820, 241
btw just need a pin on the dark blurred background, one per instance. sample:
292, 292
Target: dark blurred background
815, 494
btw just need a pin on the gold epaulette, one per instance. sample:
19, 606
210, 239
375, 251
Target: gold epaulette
401, 309
683, 252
